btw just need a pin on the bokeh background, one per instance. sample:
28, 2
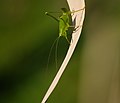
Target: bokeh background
26, 36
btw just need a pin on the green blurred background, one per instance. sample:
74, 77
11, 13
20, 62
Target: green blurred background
26, 35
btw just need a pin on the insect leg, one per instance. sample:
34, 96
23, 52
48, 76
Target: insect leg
77, 28
77, 10
72, 26
67, 40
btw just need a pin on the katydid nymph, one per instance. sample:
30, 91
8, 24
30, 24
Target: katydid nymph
65, 22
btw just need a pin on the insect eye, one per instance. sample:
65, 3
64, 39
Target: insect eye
64, 9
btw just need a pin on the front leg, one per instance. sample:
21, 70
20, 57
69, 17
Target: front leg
74, 28
77, 28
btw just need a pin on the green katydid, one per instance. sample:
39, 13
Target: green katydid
64, 24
